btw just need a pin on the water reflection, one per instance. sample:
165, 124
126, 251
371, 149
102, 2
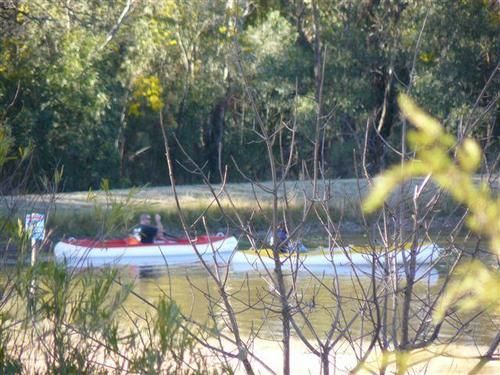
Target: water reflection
250, 292
149, 272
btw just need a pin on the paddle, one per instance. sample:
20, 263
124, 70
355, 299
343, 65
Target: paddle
168, 235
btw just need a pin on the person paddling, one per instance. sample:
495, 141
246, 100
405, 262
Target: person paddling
147, 232
282, 235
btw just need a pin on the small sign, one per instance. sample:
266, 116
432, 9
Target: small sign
35, 225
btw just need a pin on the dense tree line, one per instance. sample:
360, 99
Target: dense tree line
83, 82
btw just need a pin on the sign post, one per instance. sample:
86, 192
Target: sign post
35, 227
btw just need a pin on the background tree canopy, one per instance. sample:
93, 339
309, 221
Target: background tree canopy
83, 82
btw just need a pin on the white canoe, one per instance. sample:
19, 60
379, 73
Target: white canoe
132, 252
337, 257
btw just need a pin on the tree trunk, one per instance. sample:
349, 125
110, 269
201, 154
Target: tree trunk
213, 136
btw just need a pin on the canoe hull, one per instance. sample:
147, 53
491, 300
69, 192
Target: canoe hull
426, 254
124, 252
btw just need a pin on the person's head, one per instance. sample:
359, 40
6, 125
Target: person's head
145, 219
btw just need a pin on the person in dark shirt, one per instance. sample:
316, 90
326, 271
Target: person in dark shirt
282, 238
147, 232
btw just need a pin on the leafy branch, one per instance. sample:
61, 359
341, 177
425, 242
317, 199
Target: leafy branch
475, 284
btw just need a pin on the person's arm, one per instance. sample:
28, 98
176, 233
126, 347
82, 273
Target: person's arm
159, 227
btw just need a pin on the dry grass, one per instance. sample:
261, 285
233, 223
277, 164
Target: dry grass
74, 213
242, 194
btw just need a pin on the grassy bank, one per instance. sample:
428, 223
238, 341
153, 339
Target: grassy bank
115, 212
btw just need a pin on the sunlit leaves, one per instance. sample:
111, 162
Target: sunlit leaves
23, 9
430, 127
161, 32
148, 91
432, 148
385, 184
426, 57
475, 284
469, 155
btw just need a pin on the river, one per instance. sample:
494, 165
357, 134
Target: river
325, 298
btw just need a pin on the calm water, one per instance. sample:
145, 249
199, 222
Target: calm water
186, 285
251, 292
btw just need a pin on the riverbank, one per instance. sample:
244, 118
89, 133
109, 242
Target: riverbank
83, 213
435, 359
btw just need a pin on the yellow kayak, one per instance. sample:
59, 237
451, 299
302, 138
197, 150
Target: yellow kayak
351, 255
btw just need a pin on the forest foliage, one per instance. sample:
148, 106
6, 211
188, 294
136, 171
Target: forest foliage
82, 82
101, 93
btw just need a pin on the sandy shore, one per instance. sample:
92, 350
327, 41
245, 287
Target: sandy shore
433, 360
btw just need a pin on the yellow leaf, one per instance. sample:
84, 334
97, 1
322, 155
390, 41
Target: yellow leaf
469, 155
474, 286
419, 118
